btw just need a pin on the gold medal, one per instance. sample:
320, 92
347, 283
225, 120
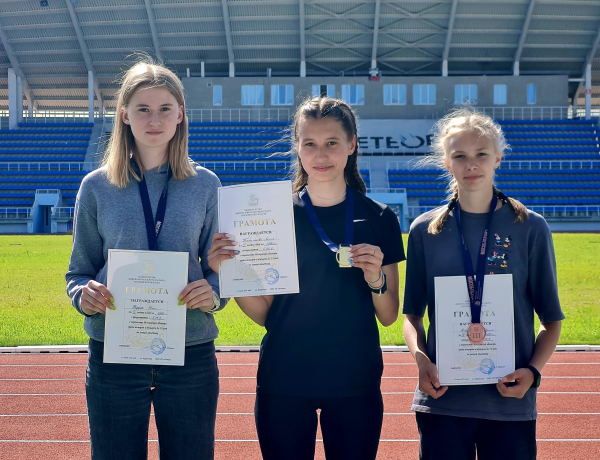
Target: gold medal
342, 256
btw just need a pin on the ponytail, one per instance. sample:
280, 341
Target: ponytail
437, 223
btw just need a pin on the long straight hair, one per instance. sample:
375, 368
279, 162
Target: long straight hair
326, 107
121, 145
456, 122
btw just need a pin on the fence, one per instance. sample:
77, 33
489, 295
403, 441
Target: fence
43, 166
514, 164
546, 211
386, 190
249, 166
15, 213
62, 212
536, 113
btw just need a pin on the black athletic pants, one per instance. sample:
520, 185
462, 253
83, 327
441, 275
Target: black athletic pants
287, 426
457, 438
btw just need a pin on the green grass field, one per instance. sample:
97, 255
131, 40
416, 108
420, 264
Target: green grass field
35, 310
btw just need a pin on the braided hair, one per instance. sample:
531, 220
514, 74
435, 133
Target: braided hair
458, 121
326, 107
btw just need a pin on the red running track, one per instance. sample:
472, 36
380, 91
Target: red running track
43, 413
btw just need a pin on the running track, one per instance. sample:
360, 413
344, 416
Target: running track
43, 412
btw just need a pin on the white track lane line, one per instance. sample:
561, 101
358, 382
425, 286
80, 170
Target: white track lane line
247, 378
256, 440
256, 364
252, 414
384, 392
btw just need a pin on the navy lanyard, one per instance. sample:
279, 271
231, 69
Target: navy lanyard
153, 228
475, 286
349, 228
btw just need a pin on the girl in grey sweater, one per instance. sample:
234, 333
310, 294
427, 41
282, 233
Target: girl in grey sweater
149, 144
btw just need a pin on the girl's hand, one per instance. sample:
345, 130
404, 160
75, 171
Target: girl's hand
429, 382
523, 378
369, 258
95, 298
223, 248
198, 294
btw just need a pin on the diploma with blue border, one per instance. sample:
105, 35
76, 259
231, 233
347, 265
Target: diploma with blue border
148, 325
261, 217
460, 362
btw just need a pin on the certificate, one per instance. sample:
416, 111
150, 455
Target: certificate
148, 325
261, 217
459, 361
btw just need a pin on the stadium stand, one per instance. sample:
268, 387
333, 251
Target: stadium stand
563, 171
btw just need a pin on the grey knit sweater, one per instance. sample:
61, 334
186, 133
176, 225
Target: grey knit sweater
107, 217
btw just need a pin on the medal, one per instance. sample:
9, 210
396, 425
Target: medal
342, 256
476, 332
343, 250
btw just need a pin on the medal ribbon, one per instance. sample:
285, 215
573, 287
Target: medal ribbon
153, 227
475, 286
349, 221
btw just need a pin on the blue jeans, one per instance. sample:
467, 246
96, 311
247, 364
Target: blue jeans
119, 397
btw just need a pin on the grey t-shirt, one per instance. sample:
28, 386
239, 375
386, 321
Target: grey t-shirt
107, 217
524, 250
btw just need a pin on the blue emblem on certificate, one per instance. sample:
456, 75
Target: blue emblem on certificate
158, 346
271, 275
487, 366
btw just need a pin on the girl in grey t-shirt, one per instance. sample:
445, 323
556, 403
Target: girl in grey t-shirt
490, 421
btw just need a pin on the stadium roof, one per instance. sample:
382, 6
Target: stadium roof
55, 46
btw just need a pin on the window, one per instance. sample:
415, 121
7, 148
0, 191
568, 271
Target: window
394, 94
465, 94
282, 94
424, 95
531, 94
217, 95
323, 90
353, 94
500, 94
253, 95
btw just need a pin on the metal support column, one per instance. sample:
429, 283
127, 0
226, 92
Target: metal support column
19, 100
91, 95
12, 99
588, 92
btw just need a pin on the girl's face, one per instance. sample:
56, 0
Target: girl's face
153, 114
472, 160
324, 148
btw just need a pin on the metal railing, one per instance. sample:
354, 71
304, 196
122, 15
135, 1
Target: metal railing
43, 166
566, 211
550, 164
546, 211
243, 166
409, 166
220, 115
15, 213
63, 212
237, 115
536, 112
386, 190
47, 191
512, 164
59, 116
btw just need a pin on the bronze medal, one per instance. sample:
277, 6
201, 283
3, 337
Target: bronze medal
476, 333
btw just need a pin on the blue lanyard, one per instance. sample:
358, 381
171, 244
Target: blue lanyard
475, 286
349, 228
153, 227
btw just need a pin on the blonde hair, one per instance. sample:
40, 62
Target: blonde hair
121, 145
326, 107
458, 121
